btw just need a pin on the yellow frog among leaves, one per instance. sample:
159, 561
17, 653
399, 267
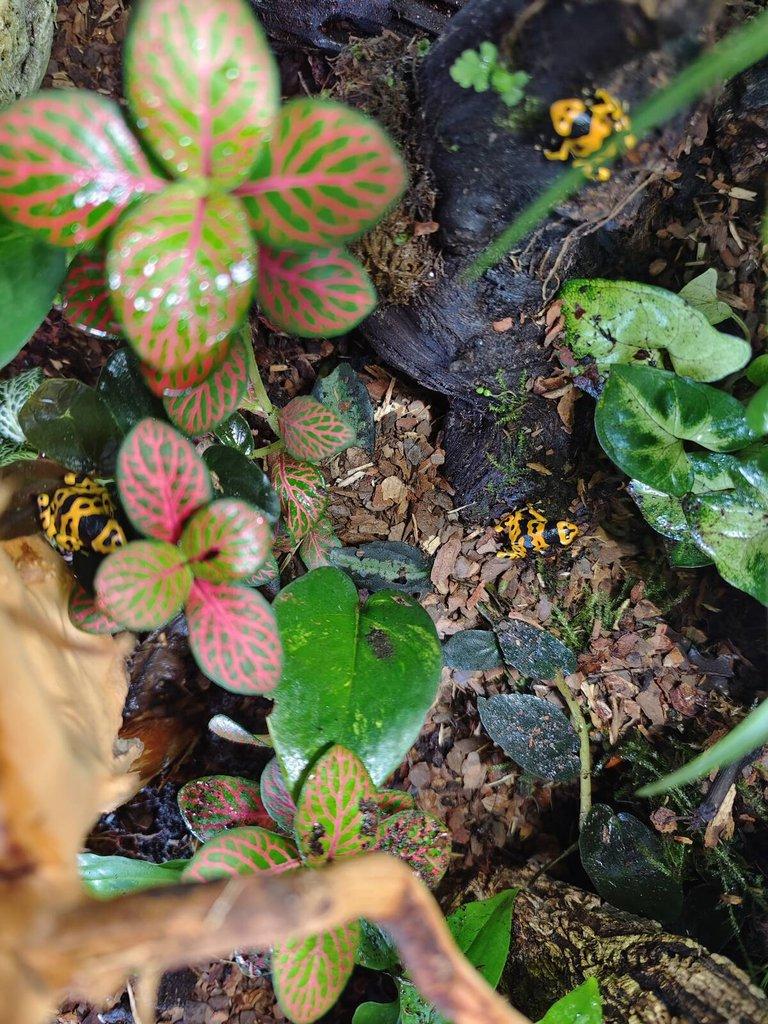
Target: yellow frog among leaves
528, 530
80, 516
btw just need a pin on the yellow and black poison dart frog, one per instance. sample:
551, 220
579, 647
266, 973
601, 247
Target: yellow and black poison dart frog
80, 516
528, 530
585, 125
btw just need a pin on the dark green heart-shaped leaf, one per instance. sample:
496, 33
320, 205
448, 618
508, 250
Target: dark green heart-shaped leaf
685, 554
106, 877
472, 650
376, 951
625, 861
644, 415
237, 476
235, 433
344, 392
362, 677
124, 391
71, 423
534, 652
534, 733
385, 565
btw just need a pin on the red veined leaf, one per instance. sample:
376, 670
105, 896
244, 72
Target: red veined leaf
161, 479
85, 299
329, 817
211, 402
69, 164
226, 540
143, 585
181, 269
309, 974
202, 84
242, 851
276, 798
169, 383
419, 839
302, 492
389, 801
219, 802
86, 614
317, 543
328, 174
268, 573
320, 293
311, 431
234, 637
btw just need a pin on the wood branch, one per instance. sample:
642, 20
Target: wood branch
91, 949
560, 935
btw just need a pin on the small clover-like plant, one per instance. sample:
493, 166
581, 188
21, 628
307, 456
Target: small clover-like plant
237, 195
196, 554
482, 70
337, 814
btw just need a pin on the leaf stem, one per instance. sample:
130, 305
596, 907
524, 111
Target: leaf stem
581, 726
260, 403
262, 453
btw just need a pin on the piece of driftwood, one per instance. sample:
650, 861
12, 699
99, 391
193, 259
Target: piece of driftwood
561, 935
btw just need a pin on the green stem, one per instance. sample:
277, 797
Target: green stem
262, 453
735, 53
581, 726
260, 403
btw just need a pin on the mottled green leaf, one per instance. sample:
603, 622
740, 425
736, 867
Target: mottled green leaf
701, 293
344, 392
534, 733
376, 951
385, 565
472, 650
534, 652
14, 392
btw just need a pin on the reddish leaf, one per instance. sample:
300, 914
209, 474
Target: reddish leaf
309, 974
329, 817
86, 614
202, 85
317, 543
320, 293
161, 479
205, 406
169, 383
69, 164
181, 269
328, 174
268, 573
311, 431
227, 540
389, 801
234, 638
421, 840
276, 798
219, 802
302, 492
85, 299
242, 851
142, 586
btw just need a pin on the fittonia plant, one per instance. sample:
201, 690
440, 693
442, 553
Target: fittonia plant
338, 814
221, 192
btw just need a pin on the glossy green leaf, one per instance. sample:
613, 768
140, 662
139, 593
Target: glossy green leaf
202, 85
242, 851
385, 565
685, 554
226, 540
363, 677
664, 512
303, 495
749, 735
757, 371
236, 433
330, 813
107, 877
419, 839
534, 652
715, 471
644, 415
377, 1013
309, 974
376, 951
625, 861
143, 585
757, 412
534, 733
732, 528
14, 392
482, 930
237, 476
614, 320
124, 391
701, 293
30, 274
344, 392
216, 803
583, 1005
70, 422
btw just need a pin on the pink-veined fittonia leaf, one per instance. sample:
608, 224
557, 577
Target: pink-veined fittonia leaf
227, 540
310, 974
233, 636
268, 573
320, 293
161, 479
389, 801
69, 164
328, 174
419, 839
317, 543
301, 489
330, 816
276, 798
85, 298
311, 431
209, 403
219, 802
202, 85
181, 268
143, 585
169, 383
87, 616
242, 851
